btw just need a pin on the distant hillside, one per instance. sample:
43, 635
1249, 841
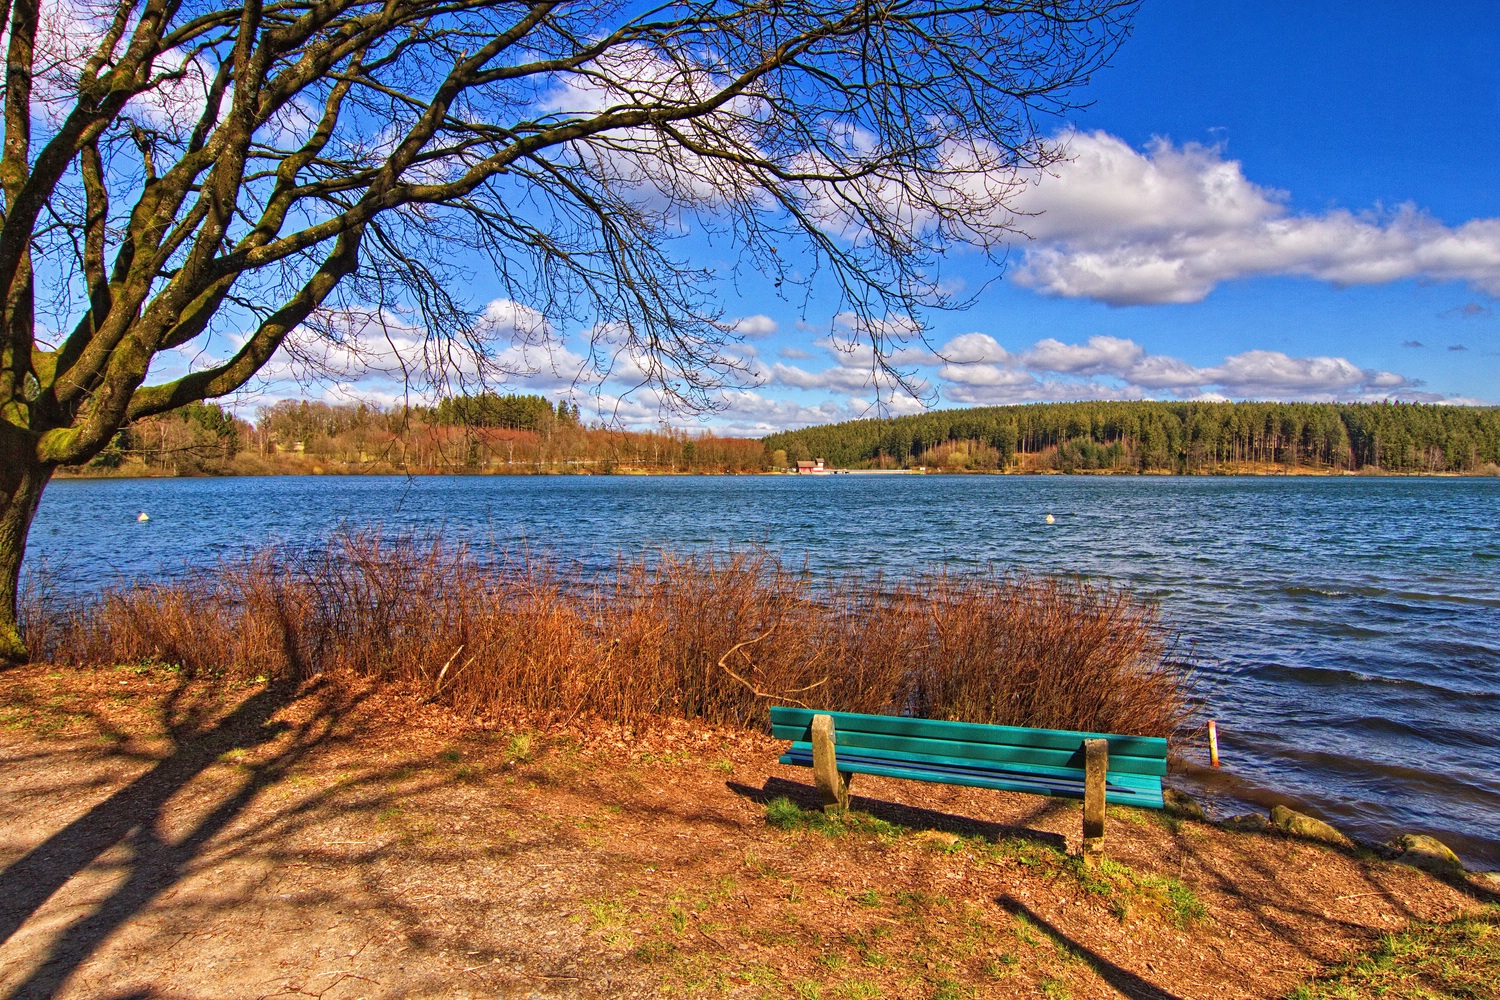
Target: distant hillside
1163, 437
486, 433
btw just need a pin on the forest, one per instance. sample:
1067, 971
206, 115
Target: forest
1183, 438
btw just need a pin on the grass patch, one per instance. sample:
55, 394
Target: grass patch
610, 918
784, 814
1028, 853
1452, 961
1124, 888
1055, 989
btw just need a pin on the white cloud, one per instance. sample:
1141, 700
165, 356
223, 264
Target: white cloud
837, 379
973, 348
384, 356
506, 318
750, 414
754, 327
1099, 355
990, 375
1033, 390
659, 172
1130, 373
1272, 372
1171, 223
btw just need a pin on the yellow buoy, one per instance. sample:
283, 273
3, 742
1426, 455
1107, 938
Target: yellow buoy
143, 516
1051, 519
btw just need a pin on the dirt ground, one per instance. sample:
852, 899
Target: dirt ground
163, 838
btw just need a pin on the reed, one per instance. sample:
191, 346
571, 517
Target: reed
712, 637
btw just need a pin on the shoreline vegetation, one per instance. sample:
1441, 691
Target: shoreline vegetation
531, 435
714, 638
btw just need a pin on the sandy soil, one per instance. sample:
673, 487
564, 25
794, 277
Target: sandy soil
161, 838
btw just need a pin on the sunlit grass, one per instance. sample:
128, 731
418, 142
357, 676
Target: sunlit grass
1452, 961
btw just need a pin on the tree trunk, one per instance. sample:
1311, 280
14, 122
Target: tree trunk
22, 479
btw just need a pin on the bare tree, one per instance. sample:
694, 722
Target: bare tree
249, 179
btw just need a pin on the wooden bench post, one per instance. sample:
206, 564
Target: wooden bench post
833, 786
1096, 766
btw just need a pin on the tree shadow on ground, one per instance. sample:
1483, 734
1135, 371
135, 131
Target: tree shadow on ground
134, 818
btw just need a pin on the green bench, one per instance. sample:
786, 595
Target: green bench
1095, 767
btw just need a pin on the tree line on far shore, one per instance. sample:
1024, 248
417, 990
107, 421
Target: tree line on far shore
486, 433
1147, 436
491, 433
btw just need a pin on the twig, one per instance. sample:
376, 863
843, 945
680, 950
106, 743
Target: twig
437, 685
779, 696
716, 941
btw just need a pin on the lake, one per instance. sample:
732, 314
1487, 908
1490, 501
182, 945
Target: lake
1346, 631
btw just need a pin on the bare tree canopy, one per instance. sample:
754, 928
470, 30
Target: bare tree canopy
253, 178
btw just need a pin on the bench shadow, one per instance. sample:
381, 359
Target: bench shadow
912, 817
1123, 981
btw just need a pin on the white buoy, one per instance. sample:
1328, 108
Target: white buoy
143, 516
1051, 519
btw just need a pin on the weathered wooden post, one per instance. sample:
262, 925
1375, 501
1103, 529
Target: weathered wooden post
1096, 766
833, 786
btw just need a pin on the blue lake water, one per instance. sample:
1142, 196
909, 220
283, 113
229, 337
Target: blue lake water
1346, 631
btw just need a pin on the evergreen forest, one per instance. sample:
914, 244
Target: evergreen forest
1184, 438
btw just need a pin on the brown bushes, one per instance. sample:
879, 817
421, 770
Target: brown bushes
716, 638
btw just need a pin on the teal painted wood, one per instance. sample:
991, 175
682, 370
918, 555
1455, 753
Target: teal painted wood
1122, 778
1009, 758
981, 751
972, 732
1004, 783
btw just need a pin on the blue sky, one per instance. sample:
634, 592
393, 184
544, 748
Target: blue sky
1270, 201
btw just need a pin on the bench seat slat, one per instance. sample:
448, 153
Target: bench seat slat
1004, 754
1050, 739
803, 751
998, 781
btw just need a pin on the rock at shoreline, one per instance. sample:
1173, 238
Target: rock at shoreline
1428, 854
1182, 804
1299, 825
1247, 823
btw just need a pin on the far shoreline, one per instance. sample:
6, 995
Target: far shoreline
340, 470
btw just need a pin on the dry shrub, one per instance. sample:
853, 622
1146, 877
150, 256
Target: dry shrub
694, 637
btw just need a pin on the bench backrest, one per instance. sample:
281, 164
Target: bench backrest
1042, 751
